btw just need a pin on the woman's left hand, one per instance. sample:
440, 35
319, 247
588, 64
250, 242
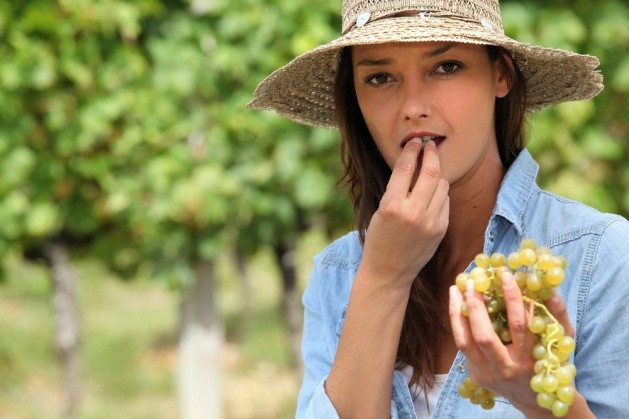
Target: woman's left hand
503, 369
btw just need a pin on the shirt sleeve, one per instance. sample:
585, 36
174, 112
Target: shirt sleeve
325, 302
313, 402
601, 359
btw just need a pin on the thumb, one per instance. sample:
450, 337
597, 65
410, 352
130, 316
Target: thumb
557, 308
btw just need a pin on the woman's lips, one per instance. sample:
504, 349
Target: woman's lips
424, 139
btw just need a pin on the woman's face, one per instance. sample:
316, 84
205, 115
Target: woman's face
445, 91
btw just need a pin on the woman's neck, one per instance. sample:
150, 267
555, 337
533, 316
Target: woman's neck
471, 206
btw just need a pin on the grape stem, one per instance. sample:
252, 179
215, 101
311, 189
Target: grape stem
550, 366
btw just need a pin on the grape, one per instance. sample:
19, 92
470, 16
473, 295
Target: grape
520, 279
482, 393
461, 281
536, 383
554, 330
513, 261
545, 262
527, 257
565, 344
564, 375
545, 399
559, 408
533, 282
477, 272
539, 351
563, 356
488, 403
545, 293
540, 367
481, 260
537, 325
528, 244
493, 306
562, 262
477, 395
565, 393
555, 276
464, 392
572, 369
537, 272
482, 283
497, 259
469, 384
550, 383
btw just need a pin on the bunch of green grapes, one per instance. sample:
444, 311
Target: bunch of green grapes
537, 272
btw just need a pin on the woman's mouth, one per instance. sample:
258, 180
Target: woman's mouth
425, 138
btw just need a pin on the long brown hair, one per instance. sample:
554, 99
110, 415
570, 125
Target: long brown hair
366, 175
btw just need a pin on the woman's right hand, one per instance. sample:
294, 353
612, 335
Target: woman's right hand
412, 218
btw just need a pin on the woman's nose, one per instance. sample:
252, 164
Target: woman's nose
416, 100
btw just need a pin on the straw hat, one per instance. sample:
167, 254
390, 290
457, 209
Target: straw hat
302, 90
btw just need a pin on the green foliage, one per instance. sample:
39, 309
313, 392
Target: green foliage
582, 147
126, 129
124, 126
69, 87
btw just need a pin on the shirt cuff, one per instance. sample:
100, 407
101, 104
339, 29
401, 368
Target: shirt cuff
320, 406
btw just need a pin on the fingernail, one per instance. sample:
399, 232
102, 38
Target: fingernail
506, 278
469, 287
554, 298
453, 293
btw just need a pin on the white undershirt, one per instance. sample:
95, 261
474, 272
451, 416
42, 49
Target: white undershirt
423, 410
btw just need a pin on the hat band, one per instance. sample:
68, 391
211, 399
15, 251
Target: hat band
369, 10
367, 17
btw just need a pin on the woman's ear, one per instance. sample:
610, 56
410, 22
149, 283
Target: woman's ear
505, 71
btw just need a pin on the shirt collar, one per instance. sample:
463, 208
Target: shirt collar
515, 190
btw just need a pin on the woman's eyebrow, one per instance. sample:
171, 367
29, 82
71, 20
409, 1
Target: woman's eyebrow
439, 50
367, 62
373, 63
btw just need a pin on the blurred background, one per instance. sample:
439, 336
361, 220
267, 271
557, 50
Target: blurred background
156, 235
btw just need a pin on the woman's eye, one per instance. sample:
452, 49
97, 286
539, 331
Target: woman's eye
448, 68
378, 79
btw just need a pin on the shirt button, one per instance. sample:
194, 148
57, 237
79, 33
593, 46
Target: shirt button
460, 367
491, 236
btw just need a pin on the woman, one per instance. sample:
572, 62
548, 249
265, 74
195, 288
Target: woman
430, 98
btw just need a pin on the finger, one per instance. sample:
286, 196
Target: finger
404, 169
439, 202
460, 327
521, 338
429, 174
557, 308
480, 325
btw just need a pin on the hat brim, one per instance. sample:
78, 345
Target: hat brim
303, 90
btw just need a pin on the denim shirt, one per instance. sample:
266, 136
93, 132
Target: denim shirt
596, 292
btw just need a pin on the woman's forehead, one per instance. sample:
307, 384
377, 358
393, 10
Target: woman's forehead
390, 51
